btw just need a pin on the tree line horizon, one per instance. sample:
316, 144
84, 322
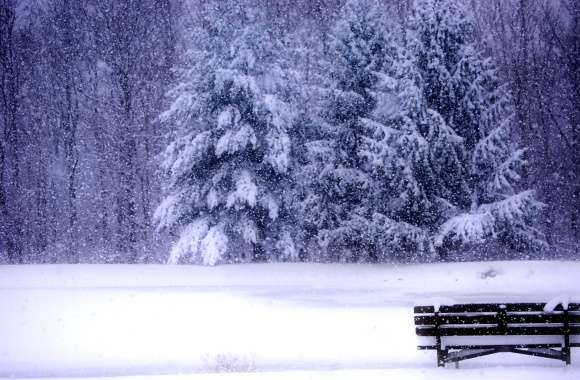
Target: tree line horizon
191, 131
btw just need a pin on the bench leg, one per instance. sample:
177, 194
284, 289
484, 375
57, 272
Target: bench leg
441, 357
566, 349
566, 353
567, 358
441, 353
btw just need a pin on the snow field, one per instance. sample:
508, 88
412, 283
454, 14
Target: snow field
271, 321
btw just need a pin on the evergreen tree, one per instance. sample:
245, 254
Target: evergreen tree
421, 152
304, 50
463, 88
337, 207
229, 166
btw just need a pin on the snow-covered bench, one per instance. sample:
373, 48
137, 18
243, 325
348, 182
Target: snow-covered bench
465, 331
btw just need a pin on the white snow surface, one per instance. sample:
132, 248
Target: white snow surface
263, 321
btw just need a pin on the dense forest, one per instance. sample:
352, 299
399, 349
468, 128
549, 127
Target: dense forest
213, 131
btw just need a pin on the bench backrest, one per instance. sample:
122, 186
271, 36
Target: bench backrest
496, 319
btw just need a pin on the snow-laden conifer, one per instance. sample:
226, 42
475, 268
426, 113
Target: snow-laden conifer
462, 86
229, 163
337, 207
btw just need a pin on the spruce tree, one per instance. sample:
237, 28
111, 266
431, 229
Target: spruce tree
229, 165
421, 152
337, 207
462, 86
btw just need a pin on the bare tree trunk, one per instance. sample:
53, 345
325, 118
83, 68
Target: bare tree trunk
521, 80
101, 142
9, 86
4, 233
70, 125
574, 67
127, 197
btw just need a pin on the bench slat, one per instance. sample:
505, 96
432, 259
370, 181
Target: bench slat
489, 319
495, 331
490, 308
455, 319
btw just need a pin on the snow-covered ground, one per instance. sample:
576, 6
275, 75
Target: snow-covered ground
269, 321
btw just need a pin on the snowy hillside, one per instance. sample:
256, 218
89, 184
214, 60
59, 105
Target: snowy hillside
301, 321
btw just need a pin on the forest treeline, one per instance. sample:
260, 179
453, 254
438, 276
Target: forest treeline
255, 130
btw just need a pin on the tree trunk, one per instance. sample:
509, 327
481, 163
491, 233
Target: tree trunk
9, 81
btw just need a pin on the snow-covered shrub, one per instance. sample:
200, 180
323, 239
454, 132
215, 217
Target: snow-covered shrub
228, 363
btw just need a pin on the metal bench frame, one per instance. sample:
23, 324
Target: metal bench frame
505, 319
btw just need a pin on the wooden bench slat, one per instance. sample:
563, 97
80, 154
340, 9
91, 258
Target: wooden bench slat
455, 319
458, 319
490, 308
574, 307
541, 318
494, 331
424, 309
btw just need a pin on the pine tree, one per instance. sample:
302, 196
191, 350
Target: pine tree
229, 166
463, 88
